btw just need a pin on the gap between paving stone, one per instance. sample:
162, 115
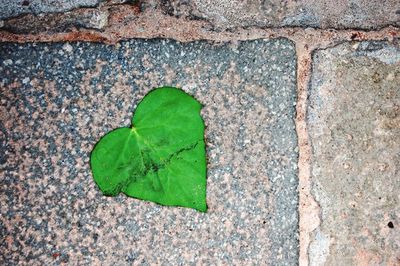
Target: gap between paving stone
306, 40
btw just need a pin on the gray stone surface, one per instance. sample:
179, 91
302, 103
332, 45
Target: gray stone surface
89, 18
58, 99
229, 14
354, 125
13, 8
225, 14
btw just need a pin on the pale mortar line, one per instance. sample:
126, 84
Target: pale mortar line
309, 210
157, 25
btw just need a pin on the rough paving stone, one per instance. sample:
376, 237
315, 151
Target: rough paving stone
228, 14
340, 14
354, 125
13, 8
88, 18
57, 100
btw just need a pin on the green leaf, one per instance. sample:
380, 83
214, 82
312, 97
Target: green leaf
161, 158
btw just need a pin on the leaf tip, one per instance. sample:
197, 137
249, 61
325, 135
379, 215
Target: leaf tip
202, 208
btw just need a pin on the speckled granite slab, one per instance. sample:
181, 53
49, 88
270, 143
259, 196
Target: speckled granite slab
58, 99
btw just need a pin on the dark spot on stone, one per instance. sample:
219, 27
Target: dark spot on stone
390, 225
398, 12
376, 78
167, 7
65, 258
264, 222
137, 3
25, 3
353, 36
85, 251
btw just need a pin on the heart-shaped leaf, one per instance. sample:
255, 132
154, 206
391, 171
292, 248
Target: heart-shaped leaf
161, 158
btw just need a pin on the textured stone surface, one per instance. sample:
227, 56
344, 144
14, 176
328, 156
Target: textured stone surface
354, 125
13, 8
229, 14
88, 18
57, 100
365, 14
